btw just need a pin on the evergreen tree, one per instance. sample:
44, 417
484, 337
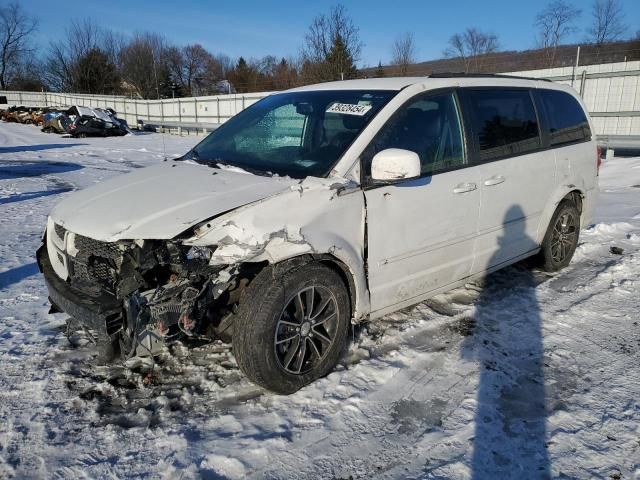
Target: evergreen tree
339, 61
380, 71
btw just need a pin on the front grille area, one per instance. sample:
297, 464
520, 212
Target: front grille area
92, 247
94, 265
92, 270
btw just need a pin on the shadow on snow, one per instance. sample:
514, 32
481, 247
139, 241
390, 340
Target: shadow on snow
11, 169
511, 413
37, 148
17, 274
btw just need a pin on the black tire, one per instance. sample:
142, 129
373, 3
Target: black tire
81, 135
265, 335
561, 239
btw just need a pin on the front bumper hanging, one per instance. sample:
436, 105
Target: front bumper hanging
103, 314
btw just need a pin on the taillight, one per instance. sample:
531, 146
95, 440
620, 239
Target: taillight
598, 160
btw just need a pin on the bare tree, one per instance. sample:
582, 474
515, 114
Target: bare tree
607, 21
143, 64
225, 62
94, 72
15, 29
403, 52
326, 33
194, 69
556, 22
86, 52
471, 46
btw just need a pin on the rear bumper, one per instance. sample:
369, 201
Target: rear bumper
103, 314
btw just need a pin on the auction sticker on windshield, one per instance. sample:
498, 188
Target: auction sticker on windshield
349, 109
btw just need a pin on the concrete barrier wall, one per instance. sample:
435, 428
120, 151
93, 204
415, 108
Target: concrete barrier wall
611, 92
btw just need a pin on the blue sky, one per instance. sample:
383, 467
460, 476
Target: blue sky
255, 28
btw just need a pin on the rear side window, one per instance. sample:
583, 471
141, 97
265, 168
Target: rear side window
504, 122
566, 118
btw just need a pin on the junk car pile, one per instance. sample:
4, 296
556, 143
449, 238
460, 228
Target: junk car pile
75, 121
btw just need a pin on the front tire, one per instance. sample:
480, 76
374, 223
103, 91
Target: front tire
561, 239
292, 327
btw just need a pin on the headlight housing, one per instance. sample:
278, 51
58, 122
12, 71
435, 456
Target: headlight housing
200, 253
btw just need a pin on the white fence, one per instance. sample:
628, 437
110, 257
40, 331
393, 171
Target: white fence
206, 112
611, 92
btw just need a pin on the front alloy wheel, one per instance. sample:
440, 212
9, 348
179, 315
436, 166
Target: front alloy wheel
292, 326
306, 329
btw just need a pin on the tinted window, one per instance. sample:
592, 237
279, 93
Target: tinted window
567, 120
505, 122
428, 125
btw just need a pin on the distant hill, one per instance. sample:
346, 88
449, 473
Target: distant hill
517, 61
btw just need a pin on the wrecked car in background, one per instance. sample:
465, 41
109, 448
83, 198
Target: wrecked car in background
16, 114
55, 122
95, 122
321, 206
80, 122
37, 116
85, 126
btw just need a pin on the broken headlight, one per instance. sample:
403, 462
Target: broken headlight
200, 253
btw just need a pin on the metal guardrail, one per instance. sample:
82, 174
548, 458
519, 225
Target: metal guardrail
619, 141
619, 145
179, 126
631, 113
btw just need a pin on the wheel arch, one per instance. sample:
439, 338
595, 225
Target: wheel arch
568, 192
329, 260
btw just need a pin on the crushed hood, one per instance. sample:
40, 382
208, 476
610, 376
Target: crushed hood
162, 201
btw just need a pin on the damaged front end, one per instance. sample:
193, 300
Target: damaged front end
137, 296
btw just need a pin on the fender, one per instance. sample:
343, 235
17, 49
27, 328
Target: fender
274, 231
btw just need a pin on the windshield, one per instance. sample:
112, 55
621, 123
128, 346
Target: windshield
298, 134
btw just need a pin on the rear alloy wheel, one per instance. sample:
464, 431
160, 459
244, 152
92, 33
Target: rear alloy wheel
292, 327
561, 239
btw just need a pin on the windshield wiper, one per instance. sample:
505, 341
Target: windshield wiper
221, 164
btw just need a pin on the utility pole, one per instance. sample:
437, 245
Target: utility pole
575, 66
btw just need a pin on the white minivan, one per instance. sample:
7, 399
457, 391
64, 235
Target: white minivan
321, 206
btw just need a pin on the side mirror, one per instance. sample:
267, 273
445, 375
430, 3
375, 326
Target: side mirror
395, 164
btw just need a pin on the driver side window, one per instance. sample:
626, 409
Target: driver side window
428, 125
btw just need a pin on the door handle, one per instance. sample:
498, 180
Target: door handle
465, 187
498, 179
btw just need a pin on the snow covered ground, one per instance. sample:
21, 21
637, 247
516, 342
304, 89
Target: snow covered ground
523, 376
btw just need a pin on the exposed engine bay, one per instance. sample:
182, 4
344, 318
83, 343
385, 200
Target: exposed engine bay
165, 290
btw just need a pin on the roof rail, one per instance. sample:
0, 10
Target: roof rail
482, 75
